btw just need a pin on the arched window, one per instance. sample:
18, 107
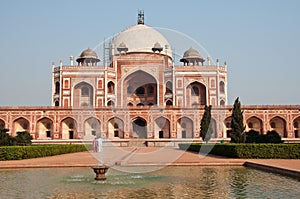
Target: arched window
140, 104
110, 103
169, 88
169, 103
222, 87
84, 91
56, 103
110, 88
140, 91
195, 91
57, 87
222, 103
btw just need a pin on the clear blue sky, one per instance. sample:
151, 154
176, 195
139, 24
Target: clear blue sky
260, 40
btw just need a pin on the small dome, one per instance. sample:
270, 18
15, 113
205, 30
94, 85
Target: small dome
192, 56
88, 54
191, 53
122, 45
157, 45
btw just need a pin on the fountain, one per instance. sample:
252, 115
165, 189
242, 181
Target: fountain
100, 172
101, 169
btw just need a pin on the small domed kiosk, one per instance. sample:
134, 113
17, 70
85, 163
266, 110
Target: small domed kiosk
192, 56
88, 57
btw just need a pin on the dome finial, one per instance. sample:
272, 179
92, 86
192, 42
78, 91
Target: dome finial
141, 17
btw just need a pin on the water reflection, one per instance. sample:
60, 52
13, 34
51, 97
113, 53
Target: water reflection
169, 182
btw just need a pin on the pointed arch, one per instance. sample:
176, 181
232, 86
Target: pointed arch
20, 124
296, 127
111, 87
83, 94
255, 123
44, 128
196, 94
278, 124
227, 126
162, 128
185, 128
140, 87
68, 128
92, 128
115, 128
139, 128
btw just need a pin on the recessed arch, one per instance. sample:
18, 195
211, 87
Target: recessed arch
44, 128
278, 124
68, 128
255, 123
111, 103
83, 94
222, 87
139, 128
185, 128
196, 94
296, 127
162, 128
111, 87
115, 128
20, 125
92, 128
227, 126
140, 87
169, 103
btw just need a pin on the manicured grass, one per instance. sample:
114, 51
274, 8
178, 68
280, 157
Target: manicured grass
35, 151
265, 151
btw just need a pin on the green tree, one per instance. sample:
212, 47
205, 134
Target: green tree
5, 138
206, 126
237, 126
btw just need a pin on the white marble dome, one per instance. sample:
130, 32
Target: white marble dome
141, 38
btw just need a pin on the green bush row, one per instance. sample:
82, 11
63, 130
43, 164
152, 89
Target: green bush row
35, 151
278, 151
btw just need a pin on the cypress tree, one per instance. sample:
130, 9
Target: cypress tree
237, 126
206, 127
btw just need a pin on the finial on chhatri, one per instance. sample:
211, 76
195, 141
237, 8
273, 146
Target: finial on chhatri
141, 17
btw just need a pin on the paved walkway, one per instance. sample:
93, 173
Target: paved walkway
130, 156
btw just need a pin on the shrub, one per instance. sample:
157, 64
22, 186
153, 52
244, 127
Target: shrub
6, 139
271, 137
284, 151
252, 137
26, 152
23, 139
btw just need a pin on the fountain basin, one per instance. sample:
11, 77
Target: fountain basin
100, 172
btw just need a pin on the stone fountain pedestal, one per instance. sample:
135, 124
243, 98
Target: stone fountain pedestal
100, 172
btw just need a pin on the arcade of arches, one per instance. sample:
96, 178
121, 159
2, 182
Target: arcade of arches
154, 123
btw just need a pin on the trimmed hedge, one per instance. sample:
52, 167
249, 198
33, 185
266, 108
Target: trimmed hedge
274, 151
27, 152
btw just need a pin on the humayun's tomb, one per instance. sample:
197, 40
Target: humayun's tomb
141, 94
